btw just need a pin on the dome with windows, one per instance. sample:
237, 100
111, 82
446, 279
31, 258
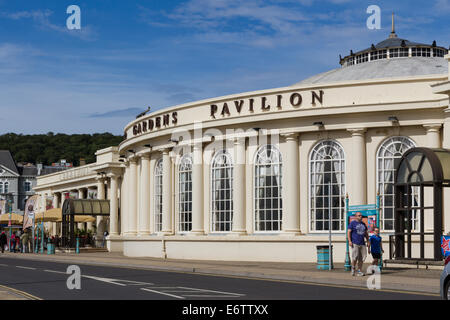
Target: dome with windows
391, 58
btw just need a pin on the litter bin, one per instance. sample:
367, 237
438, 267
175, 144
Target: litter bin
50, 248
323, 256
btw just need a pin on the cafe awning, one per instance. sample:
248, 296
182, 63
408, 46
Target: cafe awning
15, 218
86, 207
55, 215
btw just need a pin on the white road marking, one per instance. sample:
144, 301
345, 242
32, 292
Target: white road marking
29, 268
167, 294
183, 291
207, 296
220, 292
193, 292
3, 265
118, 281
105, 280
55, 271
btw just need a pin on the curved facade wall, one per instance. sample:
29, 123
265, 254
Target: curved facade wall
272, 205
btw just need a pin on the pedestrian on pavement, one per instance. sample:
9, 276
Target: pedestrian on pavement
12, 242
3, 241
17, 244
356, 234
105, 234
376, 246
24, 239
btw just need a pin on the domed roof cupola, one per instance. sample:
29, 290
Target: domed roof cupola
391, 48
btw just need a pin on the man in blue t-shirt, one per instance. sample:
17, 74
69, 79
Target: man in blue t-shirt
356, 234
376, 246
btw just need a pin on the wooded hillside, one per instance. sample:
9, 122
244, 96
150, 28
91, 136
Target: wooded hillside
49, 148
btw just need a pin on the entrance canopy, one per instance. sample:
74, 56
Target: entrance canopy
424, 166
81, 208
421, 175
88, 207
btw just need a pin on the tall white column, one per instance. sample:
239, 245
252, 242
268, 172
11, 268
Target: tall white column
167, 194
113, 206
144, 199
358, 167
291, 186
80, 196
239, 193
197, 190
433, 141
132, 198
56, 204
89, 225
151, 194
124, 207
433, 135
100, 219
56, 200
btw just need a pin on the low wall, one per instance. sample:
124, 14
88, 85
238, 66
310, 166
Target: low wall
242, 248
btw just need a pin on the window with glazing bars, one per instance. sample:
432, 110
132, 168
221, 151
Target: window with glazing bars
327, 186
158, 195
268, 189
222, 192
185, 194
389, 152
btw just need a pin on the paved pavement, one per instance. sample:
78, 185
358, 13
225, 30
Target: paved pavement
392, 278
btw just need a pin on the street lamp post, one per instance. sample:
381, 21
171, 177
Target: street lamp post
9, 223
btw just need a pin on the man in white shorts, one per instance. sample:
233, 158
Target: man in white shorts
356, 234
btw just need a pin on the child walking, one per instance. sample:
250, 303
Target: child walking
376, 246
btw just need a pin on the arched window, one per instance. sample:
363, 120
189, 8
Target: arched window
6, 187
390, 150
222, 192
158, 195
268, 201
185, 193
327, 186
1, 187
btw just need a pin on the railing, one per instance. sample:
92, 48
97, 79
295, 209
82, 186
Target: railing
398, 242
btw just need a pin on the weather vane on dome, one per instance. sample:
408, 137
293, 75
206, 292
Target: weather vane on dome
393, 35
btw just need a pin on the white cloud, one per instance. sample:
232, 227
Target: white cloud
442, 6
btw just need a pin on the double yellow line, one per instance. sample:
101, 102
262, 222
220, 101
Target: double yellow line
20, 293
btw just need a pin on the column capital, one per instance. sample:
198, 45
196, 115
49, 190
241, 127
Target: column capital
165, 151
113, 175
133, 159
431, 127
290, 136
100, 178
357, 131
145, 155
239, 140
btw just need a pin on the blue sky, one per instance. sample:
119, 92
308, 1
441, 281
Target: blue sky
132, 54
